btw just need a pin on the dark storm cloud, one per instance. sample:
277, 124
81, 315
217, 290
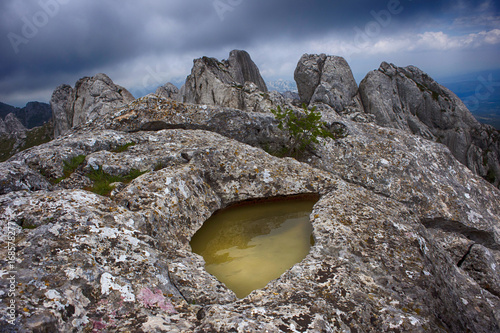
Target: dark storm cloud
44, 43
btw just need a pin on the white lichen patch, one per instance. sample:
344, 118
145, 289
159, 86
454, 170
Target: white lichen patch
108, 284
52, 294
267, 176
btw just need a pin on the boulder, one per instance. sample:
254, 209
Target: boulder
91, 98
328, 80
407, 98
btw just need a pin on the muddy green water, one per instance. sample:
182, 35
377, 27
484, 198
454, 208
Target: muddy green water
247, 246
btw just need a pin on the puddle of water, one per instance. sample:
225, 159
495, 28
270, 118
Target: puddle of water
247, 246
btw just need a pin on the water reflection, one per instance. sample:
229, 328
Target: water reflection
245, 247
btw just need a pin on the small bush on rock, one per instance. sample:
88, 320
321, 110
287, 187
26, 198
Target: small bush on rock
303, 129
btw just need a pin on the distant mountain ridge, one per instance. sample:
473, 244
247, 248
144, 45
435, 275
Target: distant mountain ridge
22, 128
34, 114
282, 86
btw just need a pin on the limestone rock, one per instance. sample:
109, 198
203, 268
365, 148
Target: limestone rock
13, 125
133, 249
408, 99
308, 74
406, 237
328, 80
91, 98
169, 91
156, 113
62, 109
243, 69
234, 83
17, 176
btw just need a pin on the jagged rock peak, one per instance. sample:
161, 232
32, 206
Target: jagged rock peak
243, 69
91, 98
234, 83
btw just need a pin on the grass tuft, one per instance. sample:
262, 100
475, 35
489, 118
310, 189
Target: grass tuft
122, 148
102, 180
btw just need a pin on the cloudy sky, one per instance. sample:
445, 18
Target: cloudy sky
144, 44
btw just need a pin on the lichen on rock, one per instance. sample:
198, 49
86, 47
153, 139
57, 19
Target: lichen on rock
406, 237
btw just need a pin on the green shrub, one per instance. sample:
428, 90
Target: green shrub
303, 129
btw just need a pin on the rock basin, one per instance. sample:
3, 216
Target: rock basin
247, 245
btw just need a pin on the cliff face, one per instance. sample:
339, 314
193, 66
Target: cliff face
408, 99
406, 237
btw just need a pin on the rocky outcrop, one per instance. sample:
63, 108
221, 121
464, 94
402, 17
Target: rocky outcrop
62, 109
391, 258
408, 99
169, 91
153, 113
406, 237
234, 83
328, 80
91, 98
12, 125
243, 69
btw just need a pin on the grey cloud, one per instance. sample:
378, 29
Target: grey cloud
83, 37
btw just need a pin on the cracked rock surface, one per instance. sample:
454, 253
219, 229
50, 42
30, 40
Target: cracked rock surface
407, 239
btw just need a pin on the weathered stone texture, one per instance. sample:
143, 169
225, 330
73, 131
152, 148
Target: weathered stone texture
407, 98
91, 98
406, 237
